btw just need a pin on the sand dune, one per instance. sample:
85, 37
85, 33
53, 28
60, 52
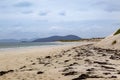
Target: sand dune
110, 42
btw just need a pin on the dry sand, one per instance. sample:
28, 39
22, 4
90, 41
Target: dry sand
67, 62
110, 42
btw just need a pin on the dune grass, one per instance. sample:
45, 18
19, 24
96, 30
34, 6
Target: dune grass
117, 32
114, 42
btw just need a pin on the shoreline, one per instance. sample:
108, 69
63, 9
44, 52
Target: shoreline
59, 44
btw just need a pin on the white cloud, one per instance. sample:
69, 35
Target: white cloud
55, 28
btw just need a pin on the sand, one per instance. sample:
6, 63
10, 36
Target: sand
110, 42
81, 61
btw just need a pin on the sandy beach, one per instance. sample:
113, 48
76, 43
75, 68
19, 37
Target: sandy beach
59, 39
81, 61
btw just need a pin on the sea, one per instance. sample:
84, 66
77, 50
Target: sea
4, 45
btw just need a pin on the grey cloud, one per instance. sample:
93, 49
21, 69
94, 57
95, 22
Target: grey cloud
62, 13
23, 4
112, 8
27, 12
43, 13
108, 6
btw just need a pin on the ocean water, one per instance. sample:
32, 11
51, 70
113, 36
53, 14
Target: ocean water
27, 44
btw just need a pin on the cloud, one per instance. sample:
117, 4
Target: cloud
113, 8
62, 14
51, 17
107, 5
55, 28
23, 4
43, 13
27, 12
32, 29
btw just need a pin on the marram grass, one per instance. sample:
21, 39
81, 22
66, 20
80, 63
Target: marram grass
117, 32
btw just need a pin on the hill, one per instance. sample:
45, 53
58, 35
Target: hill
57, 38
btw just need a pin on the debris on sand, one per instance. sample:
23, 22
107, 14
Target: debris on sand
70, 73
5, 72
40, 72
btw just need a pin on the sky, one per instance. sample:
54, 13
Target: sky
27, 19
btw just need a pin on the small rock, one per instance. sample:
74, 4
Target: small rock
106, 73
113, 76
33, 63
73, 64
118, 72
5, 72
49, 57
67, 69
81, 77
104, 63
107, 67
70, 73
66, 61
104, 55
23, 67
40, 72
92, 69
